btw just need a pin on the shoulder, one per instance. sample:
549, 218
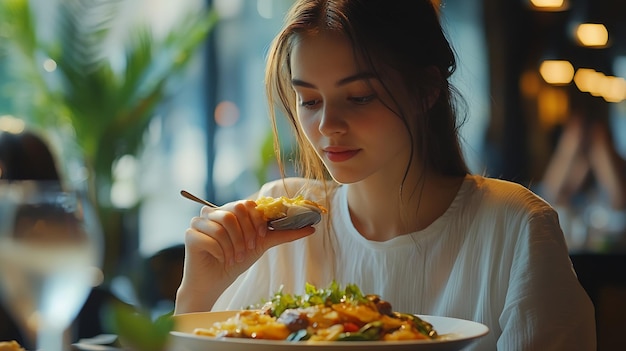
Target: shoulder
504, 195
510, 207
516, 217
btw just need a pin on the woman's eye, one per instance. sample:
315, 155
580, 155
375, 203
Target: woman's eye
308, 103
363, 99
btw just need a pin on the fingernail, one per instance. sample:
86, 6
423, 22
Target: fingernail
251, 244
262, 231
231, 262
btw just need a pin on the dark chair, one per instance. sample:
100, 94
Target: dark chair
159, 277
603, 275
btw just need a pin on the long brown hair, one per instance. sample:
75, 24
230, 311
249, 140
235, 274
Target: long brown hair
404, 36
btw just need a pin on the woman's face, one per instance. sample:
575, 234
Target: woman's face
342, 111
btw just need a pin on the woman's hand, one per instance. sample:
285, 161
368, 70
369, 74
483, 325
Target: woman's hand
220, 245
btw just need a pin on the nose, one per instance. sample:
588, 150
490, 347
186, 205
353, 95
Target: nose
331, 121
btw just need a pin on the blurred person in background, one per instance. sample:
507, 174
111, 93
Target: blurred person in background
24, 155
586, 180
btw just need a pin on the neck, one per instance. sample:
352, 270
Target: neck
382, 209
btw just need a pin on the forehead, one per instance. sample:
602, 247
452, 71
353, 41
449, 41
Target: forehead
320, 55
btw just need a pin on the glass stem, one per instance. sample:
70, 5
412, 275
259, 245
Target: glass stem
51, 338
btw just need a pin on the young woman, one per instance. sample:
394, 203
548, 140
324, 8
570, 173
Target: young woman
364, 85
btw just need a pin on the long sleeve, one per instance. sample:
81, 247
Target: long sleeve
545, 308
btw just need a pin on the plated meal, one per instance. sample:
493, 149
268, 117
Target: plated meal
331, 314
331, 319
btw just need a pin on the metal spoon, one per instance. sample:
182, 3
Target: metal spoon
300, 218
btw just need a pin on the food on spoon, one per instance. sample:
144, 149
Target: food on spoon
275, 208
10, 346
331, 314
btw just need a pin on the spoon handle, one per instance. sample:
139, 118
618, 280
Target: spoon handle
294, 221
192, 197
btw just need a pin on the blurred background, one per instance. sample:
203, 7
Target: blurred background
148, 97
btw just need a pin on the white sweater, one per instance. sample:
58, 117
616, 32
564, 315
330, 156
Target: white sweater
496, 256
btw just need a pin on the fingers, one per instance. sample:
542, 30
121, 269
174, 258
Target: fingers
210, 237
238, 228
233, 228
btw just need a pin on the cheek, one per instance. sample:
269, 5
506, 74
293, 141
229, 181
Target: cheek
309, 125
389, 130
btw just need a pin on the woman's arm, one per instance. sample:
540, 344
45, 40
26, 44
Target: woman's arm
546, 308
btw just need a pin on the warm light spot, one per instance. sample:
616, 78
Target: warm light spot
585, 78
592, 35
49, 65
614, 89
598, 84
550, 5
610, 88
530, 84
226, 114
558, 72
11, 124
552, 106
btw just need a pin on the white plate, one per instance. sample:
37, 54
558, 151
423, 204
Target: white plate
457, 333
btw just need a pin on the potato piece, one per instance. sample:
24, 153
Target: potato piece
362, 313
274, 208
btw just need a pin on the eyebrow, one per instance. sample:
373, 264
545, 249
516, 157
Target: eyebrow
343, 81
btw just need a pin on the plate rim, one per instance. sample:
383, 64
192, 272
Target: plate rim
483, 330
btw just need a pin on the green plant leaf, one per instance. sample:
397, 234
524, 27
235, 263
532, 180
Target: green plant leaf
107, 104
137, 329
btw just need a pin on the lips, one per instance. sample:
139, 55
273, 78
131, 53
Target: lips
340, 154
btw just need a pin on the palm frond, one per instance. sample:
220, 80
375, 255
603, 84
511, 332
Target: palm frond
16, 26
83, 26
108, 108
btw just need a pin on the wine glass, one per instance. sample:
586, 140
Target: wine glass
50, 254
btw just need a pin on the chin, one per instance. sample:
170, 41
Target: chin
345, 177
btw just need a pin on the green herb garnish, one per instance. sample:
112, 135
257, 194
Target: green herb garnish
313, 296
